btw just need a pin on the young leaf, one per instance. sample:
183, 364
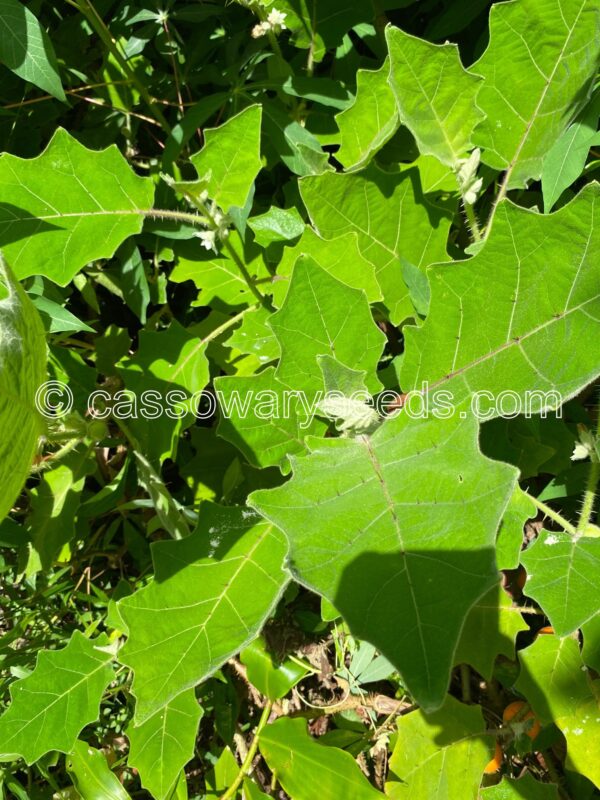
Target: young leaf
322, 316
563, 577
565, 160
26, 49
591, 642
277, 225
210, 596
392, 218
230, 159
435, 95
399, 537
161, 747
61, 696
438, 756
537, 68
67, 207
22, 371
526, 336
272, 679
92, 777
302, 763
370, 121
559, 690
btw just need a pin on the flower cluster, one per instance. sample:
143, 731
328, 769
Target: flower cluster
274, 22
220, 229
469, 183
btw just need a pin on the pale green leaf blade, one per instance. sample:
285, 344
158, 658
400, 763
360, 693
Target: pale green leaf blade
91, 775
262, 419
559, 690
302, 763
490, 630
401, 531
370, 121
26, 49
277, 225
525, 788
161, 747
68, 207
230, 159
439, 756
340, 256
272, 678
322, 316
591, 642
510, 536
217, 276
563, 575
22, 371
392, 219
51, 706
565, 160
546, 302
210, 596
435, 95
537, 71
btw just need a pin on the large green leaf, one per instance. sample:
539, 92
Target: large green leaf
370, 121
563, 575
341, 257
435, 95
162, 746
26, 49
559, 690
526, 788
537, 68
545, 303
303, 763
322, 316
230, 159
392, 219
490, 630
22, 371
210, 596
259, 418
398, 536
438, 756
67, 207
51, 706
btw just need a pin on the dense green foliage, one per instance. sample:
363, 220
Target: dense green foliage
299, 360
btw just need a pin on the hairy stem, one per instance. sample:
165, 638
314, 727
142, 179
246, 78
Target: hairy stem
590, 490
553, 515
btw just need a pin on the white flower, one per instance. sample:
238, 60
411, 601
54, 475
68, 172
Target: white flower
469, 183
260, 30
208, 240
276, 19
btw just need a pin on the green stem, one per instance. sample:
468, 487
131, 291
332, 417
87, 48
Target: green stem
472, 220
553, 515
228, 324
591, 487
89, 12
247, 763
210, 222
